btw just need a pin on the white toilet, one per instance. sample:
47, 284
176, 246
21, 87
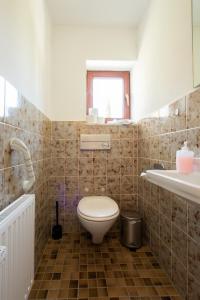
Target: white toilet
97, 214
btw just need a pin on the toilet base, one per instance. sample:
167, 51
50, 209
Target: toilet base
97, 239
97, 229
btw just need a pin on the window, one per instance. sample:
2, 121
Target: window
109, 92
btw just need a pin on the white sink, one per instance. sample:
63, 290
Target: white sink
187, 186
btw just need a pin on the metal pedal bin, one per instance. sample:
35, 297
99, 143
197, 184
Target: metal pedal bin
131, 229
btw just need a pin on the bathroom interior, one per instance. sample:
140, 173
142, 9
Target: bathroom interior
100, 127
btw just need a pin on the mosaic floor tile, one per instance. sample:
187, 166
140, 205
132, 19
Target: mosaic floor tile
74, 268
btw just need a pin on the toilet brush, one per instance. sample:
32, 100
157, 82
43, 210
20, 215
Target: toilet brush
57, 229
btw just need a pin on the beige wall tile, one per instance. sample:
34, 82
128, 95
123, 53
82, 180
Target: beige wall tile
85, 166
71, 148
193, 288
2, 196
86, 185
100, 186
71, 185
179, 276
57, 167
100, 166
177, 111
127, 185
71, 166
113, 185
58, 148
193, 138
193, 109
113, 167
115, 150
128, 166
179, 212
2, 137
165, 147
179, 241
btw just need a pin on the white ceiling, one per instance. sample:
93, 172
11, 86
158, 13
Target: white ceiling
97, 12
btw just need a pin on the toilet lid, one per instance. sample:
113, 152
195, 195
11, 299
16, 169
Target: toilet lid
98, 206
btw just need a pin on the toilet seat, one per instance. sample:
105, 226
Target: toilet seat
97, 208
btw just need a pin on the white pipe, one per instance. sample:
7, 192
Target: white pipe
143, 174
17, 144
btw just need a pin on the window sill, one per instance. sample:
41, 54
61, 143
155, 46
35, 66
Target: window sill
117, 123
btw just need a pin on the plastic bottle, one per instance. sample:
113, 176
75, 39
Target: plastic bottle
184, 160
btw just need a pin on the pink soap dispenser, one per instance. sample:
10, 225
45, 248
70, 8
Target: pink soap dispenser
184, 160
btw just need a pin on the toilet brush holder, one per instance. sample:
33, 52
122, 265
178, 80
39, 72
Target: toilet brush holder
57, 229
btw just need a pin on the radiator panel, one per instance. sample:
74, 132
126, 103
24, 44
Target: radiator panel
17, 223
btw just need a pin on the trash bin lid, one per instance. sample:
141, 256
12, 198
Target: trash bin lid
130, 215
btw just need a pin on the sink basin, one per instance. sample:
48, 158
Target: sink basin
185, 185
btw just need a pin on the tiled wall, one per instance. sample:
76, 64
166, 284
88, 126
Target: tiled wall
19, 118
76, 173
64, 173
171, 223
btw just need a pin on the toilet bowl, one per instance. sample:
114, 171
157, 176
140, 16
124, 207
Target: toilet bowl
97, 214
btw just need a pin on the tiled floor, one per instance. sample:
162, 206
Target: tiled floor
75, 268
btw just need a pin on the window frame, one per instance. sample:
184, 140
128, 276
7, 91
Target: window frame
125, 75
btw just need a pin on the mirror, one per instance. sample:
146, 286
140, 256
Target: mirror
196, 41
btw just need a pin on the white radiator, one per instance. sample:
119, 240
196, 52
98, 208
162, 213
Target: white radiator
17, 223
